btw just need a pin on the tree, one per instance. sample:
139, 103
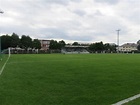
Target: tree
112, 48
61, 44
5, 41
99, 47
75, 43
138, 42
9, 41
15, 40
109, 48
36, 44
26, 42
138, 47
92, 47
53, 44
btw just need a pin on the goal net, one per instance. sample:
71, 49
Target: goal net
4, 56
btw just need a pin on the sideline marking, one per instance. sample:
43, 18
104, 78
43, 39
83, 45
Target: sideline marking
127, 100
4, 65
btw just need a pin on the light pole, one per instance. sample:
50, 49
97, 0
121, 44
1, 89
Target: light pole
118, 32
0, 36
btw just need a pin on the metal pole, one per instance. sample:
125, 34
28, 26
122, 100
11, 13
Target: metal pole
118, 32
0, 45
0, 36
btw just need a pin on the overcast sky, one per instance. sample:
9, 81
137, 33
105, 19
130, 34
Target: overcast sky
72, 20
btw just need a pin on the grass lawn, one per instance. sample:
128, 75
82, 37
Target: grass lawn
78, 79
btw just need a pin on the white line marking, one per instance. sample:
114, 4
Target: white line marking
4, 65
127, 100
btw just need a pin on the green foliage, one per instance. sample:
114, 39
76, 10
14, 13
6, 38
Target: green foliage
5, 41
109, 48
75, 43
138, 42
36, 44
26, 42
14, 41
61, 44
99, 47
54, 79
54, 45
138, 47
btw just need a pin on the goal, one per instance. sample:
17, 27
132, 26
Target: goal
4, 57
5, 54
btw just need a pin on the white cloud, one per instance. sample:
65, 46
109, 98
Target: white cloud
74, 20
108, 1
80, 12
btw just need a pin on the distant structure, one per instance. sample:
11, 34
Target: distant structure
127, 47
74, 49
112, 44
118, 33
45, 44
0, 37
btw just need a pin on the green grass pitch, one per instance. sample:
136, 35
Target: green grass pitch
78, 79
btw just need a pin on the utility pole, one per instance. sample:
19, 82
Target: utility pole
0, 36
118, 32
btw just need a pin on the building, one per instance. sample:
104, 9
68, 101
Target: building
74, 49
45, 44
128, 47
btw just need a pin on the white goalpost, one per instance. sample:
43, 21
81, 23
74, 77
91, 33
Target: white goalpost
9, 52
5, 55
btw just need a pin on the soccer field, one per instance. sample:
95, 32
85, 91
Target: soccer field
78, 79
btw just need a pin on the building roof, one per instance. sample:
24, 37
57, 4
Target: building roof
44, 40
129, 45
75, 46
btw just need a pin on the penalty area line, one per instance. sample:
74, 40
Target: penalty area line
4, 65
127, 100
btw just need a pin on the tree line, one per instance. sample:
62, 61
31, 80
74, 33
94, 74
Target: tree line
100, 47
94, 47
56, 45
24, 42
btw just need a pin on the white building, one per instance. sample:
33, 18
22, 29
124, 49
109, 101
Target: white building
127, 47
